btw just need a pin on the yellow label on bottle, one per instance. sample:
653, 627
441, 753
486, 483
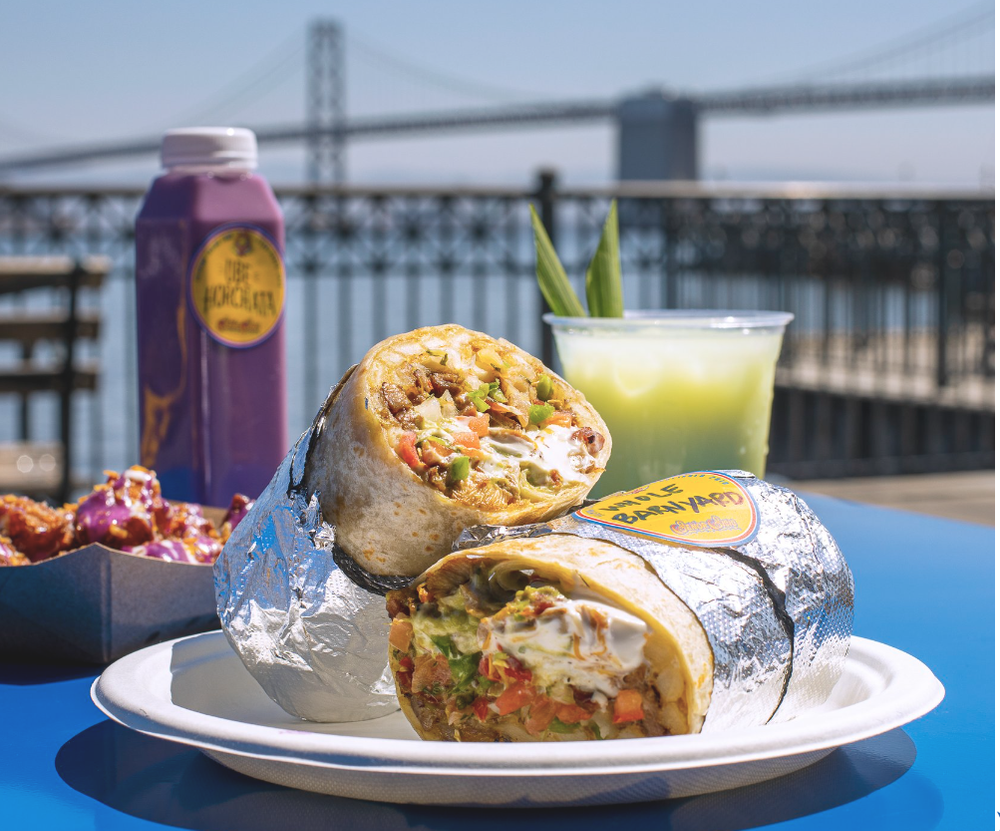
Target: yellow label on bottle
238, 286
706, 509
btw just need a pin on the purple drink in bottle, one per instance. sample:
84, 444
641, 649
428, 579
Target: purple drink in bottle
210, 297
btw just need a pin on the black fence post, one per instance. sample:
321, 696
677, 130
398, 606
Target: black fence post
68, 382
670, 226
546, 199
943, 312
310, 292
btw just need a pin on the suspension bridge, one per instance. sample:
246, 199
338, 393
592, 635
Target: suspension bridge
657, 130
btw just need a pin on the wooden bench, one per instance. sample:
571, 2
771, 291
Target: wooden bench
43, 469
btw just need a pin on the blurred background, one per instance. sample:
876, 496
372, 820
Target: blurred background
833, 160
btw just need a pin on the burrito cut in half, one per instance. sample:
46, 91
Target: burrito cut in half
441, 429
547, 639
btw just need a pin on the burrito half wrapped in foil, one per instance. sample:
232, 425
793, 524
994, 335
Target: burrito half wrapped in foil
731, 608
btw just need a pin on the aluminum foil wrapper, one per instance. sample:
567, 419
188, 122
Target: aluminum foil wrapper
778, 611
309, 624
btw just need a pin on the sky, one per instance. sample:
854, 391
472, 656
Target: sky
111, 70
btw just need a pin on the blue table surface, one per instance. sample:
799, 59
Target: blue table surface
924, 585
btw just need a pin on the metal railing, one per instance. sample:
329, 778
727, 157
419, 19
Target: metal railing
893, 292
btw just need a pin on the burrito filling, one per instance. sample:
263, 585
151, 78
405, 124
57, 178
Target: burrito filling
507, 653
489, 435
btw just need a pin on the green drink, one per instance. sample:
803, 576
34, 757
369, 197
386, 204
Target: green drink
679, 390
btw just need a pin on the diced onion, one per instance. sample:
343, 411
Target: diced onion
429, 410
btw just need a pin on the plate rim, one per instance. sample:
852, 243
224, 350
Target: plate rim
911, 691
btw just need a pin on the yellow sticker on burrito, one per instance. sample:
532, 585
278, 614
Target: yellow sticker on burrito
706, 509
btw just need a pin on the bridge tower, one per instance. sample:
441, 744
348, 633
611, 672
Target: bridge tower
325, 103
657, 137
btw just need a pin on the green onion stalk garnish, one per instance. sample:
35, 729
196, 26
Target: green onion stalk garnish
604, 274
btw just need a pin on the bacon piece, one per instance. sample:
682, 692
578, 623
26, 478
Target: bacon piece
401, 634
540, 714
590, 438
430, 670
405, 674
584, 700
396, 603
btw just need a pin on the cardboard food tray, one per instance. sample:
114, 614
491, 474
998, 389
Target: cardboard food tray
94, 604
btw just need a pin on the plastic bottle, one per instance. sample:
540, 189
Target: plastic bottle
210, 296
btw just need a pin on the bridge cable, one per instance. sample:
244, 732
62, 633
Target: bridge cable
928, 36
435, 77
272, 69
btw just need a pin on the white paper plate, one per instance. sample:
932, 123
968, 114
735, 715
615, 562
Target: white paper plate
196, 691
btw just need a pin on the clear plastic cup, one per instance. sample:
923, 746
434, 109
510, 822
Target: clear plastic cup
679, 390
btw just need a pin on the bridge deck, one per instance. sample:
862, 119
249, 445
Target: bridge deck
761, 101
